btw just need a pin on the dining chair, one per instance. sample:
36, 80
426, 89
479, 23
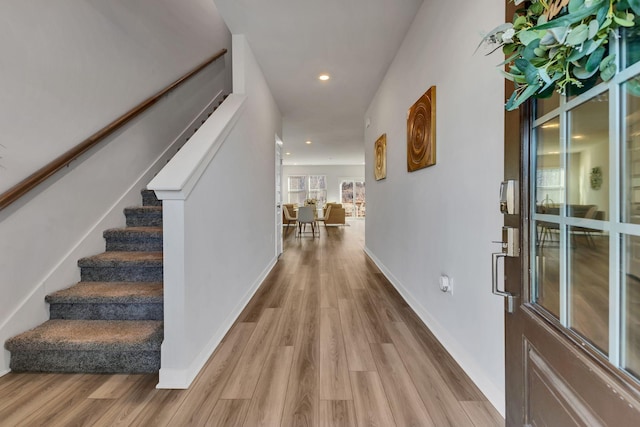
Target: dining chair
306, 216
289, 217
326, 215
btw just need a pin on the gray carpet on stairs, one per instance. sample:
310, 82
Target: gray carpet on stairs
110, 322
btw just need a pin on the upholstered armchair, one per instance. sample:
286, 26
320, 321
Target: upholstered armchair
335, 215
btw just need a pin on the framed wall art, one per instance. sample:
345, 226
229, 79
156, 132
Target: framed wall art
380, 154
421, 132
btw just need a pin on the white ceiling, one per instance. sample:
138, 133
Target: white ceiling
295, 41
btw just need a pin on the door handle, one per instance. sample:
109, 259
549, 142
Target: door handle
510, 306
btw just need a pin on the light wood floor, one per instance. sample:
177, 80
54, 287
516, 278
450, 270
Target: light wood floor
326, 341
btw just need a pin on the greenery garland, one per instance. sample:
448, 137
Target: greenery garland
560, 45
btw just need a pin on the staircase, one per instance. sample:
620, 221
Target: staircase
110, 322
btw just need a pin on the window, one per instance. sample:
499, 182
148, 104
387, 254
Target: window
303, 187
297, 189
550, 186
318, 188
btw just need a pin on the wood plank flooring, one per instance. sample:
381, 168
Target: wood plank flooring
326, 341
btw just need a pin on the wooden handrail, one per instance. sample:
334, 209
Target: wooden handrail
42, 174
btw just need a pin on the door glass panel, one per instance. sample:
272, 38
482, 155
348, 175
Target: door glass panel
631, 174
547, 105
346, 197
549, 171
360, 200
588, 159
352, 197
631, 46
631, 306
589, 285
547, 293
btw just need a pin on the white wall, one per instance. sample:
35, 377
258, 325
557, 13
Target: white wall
335, 175
441, 220
71, 66
68, 69
219, 222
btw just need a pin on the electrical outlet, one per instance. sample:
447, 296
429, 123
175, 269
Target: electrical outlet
446, 284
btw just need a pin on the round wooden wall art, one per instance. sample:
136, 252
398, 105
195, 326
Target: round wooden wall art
380, 170
421, 132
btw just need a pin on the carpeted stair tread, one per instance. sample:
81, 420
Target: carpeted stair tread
90, 335
109, 293
133, 231
144, 209
122, 258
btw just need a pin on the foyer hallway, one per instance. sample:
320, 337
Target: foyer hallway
326, 341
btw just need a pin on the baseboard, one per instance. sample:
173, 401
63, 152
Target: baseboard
4, 372
182, 378
493, 393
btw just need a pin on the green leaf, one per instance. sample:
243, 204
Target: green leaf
536, 8
577, 54
509, 59
540, 52
607, 22
582, 73
526, 36
572, 18
602, 15
544, 76
608, 68
508, 106
577, 35
559, 33
530, 72
520, 22
622, 5
623, 22
546, 92
593, 63
539, 62
608, 60
529, 52
508, 49
635, 6
594, 26
575, 5
517, 99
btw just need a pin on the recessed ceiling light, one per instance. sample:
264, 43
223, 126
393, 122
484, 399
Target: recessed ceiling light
551, 126
324, 77
288, 154
578, 137
308, 142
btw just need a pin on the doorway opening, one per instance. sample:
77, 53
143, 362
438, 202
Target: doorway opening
352, 197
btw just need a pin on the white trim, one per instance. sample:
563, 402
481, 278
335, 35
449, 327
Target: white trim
466, 361
178, 178
182, 378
